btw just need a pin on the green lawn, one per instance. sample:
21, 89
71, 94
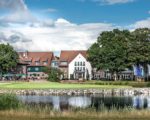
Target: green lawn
53, 85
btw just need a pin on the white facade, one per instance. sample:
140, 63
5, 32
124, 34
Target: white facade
79, 67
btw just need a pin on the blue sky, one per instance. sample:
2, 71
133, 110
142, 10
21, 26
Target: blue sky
54, 25
78, 11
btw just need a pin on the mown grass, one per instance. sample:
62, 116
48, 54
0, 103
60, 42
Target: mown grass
54, 85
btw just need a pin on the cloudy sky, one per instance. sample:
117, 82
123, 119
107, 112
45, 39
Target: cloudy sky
54, 25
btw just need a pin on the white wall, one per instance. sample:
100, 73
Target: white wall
79, 58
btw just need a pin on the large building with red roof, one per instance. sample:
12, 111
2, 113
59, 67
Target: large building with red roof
74, 64
36, 61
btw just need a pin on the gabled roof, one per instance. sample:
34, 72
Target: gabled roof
69, 55
36, 56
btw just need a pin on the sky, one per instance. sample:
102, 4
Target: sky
54, 25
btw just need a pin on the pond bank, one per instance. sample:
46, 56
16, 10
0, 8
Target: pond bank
81, 115
115, 92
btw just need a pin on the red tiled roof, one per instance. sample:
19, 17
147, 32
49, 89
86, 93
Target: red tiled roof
37, 59
69, 55
36, 56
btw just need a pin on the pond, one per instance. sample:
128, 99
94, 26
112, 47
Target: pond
96, 102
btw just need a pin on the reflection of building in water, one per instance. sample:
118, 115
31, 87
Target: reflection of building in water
110, 102
140, 102
148, 102
56, 101
64, 102
80, 101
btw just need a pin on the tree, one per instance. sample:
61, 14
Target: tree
53, 74
139, 50
110, 51
8, 58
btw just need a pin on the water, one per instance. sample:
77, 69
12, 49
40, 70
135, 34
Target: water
65, 102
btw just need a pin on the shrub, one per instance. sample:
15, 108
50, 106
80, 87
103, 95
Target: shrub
53, 74
9, 101
148, 84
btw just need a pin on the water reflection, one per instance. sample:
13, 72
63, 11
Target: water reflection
80, 101
64, 102
140, 102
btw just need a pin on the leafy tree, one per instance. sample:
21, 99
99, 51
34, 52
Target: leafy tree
53, 74
8, 58
116, 50
110, 51
139, 50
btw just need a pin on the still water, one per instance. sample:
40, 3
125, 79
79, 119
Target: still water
65, 102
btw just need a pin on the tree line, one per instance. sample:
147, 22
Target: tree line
117, 50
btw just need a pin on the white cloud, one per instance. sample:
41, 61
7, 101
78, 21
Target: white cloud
112, 2
25, 32
62, 35
49, 10
15, 5
19, 13
109, 2
141, 24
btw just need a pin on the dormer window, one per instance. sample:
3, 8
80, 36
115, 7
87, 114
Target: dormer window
63, 63
37, 62
28, 62
45, 62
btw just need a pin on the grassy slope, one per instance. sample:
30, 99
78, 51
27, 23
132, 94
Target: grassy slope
53, 85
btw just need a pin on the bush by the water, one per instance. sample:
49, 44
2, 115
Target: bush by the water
9, 101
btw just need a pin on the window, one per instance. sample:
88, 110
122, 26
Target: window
83, 63
45, 62
75, 68
28, 62
63, 63
78, 68
29, 69
54, 64
36, 69
37, 62
80, 63
83, 68
75, 64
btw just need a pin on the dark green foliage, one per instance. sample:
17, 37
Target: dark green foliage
119, 49
8, 58
9, 101
53, 74
110, 51
139, 49
148, 85
122, 83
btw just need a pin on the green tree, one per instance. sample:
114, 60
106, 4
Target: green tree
110, 51
53, 74
8, 58
139, 50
